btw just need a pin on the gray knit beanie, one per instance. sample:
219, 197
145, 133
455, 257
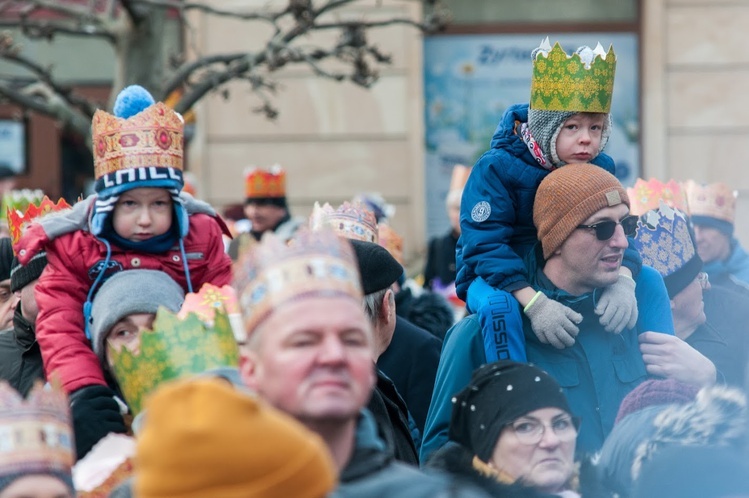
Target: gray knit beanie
546, 125
129, 292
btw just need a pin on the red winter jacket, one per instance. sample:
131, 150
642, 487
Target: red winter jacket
70, 272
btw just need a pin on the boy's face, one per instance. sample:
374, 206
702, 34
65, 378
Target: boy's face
142, 213
580, 137
126, 334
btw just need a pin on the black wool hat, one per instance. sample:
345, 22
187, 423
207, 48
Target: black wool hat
6, 258
21, 276
379, 270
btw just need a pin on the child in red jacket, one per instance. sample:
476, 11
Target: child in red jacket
137, 219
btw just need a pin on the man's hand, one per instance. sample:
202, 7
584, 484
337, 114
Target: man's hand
668, 356
617, 307
552, 322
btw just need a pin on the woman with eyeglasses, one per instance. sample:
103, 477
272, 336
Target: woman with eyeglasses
512, 432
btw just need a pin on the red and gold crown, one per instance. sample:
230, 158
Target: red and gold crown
150, 139
645, 196
211, 299
352, 221
272, 272
716, 200
390, 240
265, 182
35, 434
18, 221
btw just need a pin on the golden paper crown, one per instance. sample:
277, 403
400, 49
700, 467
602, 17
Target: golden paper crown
18, 221
351, 221
272, 273
390, 240
645, 196
35, 434
581, 82
150, 139
459, 177
262, 182
173, 349
716, 200
209, 301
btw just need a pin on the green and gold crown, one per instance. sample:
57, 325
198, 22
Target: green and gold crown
581, 82
174, 349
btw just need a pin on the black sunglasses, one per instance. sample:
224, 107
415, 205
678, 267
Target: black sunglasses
605, 229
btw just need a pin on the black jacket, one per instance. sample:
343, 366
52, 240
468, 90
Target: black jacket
20, 357
391, 416
441, 260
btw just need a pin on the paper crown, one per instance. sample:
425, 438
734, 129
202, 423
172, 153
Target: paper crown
265, 182
351, 221
645, 196
390, 240
19, 220
35, 433
272, 272
146, 147
716, 200
581, 82
459, 177
173, 349
211, 300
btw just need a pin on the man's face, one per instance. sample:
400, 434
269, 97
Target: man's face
580, 137
583, 263
312, 358
264, 216
712, 244
8, 301
126, 333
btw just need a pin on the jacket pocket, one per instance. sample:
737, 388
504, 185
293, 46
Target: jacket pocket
629, 370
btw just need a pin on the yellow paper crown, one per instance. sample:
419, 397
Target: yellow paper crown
645, 196
35, 434
351, 221
173, 349
390, 240
148, 140
716, 200
272, 272
261, 182
581, 82
18, 221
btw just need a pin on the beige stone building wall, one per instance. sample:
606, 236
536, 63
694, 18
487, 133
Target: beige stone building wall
334, 139
695, 118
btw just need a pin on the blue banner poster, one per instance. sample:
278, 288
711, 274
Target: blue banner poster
469, 80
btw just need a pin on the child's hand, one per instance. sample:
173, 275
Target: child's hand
617, 307
552, 322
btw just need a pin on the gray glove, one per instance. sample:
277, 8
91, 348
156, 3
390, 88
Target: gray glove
617, 307
552, 322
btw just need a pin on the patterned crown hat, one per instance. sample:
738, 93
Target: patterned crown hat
211, 300
19, 200
265, 182
173, 349
18, 220
581, 82
665, 243
313, 263
716, 200
391, 240
647, 195
349, 220
36, 435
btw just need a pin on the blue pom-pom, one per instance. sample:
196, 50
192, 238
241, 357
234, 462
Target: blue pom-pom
131, 101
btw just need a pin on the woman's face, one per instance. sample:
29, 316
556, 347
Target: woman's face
546, 465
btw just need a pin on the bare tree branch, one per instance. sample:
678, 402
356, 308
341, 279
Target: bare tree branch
185, 6
135, 14
37, 100
183, 72
78, 21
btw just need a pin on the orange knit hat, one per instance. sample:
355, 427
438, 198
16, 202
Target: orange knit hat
203, 437
570, 195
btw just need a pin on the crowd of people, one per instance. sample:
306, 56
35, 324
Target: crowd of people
571, 338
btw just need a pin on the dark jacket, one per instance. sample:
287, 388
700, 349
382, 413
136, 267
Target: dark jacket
20, 357
391, 415
411, 362
440, 266
727, 348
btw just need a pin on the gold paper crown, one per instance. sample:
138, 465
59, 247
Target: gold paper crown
572, 83
645, 196
261, 182
35, 434
150, 139
173, 349
459, 177
716, 200
390, 240
18, 221
313, 263
351, 221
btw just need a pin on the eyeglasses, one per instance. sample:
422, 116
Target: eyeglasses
529, 431
605, 229
703, 279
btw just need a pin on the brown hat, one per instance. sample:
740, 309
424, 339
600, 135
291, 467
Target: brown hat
570, 195
205, 438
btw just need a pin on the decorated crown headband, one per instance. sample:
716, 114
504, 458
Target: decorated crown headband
716, 200
18, 220
663, 239
581, 82
35, 433
351, 221
272, 272
644, 196
265, 182
173, 349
